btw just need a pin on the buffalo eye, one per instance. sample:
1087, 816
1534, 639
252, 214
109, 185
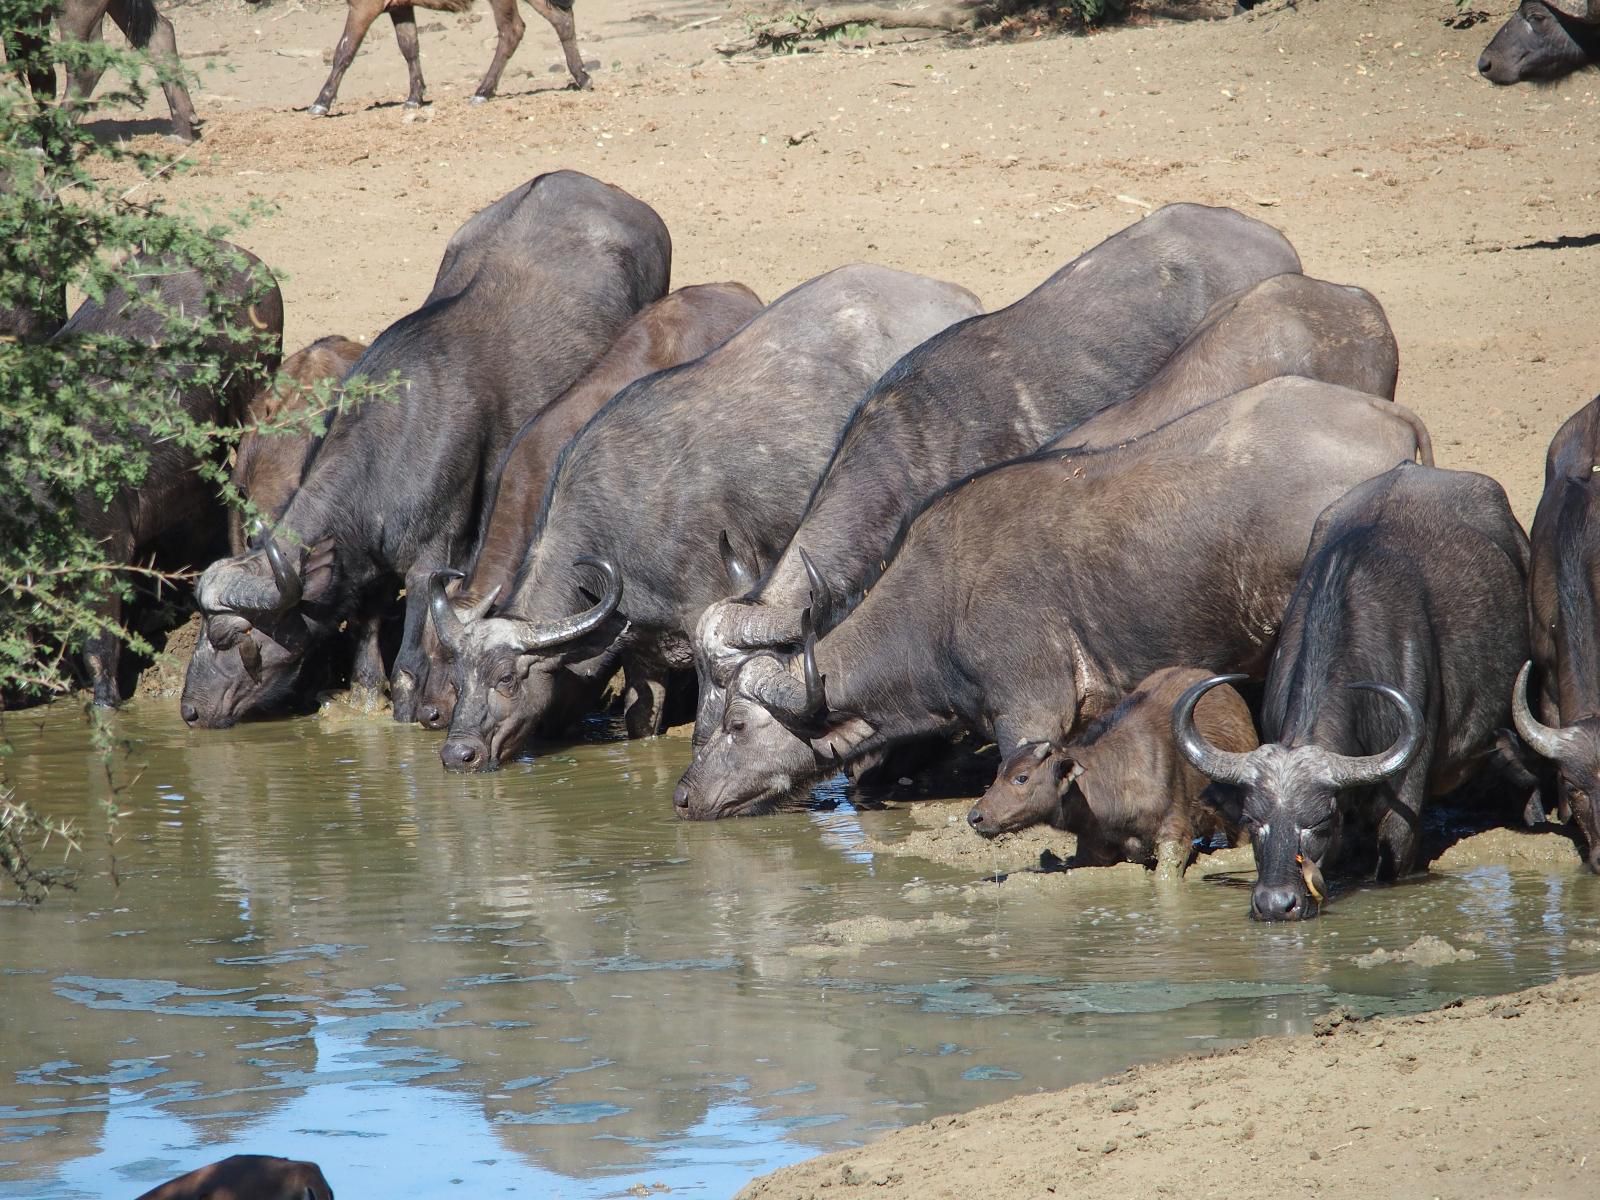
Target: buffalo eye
736, 725
1019, 780
507, 682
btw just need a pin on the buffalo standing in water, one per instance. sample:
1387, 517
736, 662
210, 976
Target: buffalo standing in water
1542, 42
531, 291
1028, 598
732, 441
676, 329
981, 393
1564, 596
1390, 680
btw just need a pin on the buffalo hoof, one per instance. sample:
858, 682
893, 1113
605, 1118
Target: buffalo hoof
412, 104
318, 110
581, 85
477, 99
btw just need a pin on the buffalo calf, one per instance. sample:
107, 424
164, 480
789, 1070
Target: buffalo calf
1120, 785
1541, 43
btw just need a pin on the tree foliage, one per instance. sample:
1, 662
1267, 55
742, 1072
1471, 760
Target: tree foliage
81, 415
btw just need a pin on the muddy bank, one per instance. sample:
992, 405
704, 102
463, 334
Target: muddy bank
1487, 1098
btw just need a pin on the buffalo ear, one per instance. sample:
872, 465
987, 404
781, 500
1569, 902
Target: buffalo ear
317, 575
841, 734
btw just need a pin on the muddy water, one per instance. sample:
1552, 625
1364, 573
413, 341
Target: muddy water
538, 982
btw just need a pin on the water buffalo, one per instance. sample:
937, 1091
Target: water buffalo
1121, 786
1541, 43
508, 28
80, 21
1027, 598
675, 329
734, 441
981, 393
530, 293
1286, 325
1391, 677
176, 508
247, 1177
1565, 617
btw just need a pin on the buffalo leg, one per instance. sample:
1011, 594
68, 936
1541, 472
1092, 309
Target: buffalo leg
410, 663
356, 23
405, 32
561, 20
146, 29
81, 23
367, 669
645, 701
26, 42
508, 25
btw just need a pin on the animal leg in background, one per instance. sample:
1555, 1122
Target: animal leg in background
561, 20
404, 17
356, 23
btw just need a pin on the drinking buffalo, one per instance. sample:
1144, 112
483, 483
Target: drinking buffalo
1027, 598
733, 441
1286, 325
981, 393
247, 1177
1562, 584
1388, 684
1541, 43
675, 329
176, 506
1121, 786
530, 293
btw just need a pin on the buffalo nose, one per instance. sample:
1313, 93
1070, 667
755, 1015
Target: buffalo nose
1485, 64
462, 754
189, 713
430, 716
1594, 860
680, 798
974, 816
1275, 904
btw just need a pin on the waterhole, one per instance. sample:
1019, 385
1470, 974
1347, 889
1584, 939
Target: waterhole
539, 982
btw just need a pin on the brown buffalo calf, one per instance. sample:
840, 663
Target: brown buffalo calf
1120, 785
247, 1177
270, 462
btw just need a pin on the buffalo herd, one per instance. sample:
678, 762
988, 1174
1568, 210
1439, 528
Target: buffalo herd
1157, 530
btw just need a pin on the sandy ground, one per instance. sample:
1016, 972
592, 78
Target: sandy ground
1357, 126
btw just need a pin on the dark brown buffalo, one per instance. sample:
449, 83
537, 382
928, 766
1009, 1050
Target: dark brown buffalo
247, 1177
271, 462
676, 329
983, 392
530, 293
175, 509
1389, 683
1564, 598
1027, 599
508, 28
1542, 42
1121, 786
1286, 325
80, 21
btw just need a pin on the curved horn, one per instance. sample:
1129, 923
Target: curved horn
1355, 770
1222, 765
740, 576
816, 683
531, 636
445, 621
766, 679
225, 587
480, 610
821, 597
752, 626
287, 578
1552, 743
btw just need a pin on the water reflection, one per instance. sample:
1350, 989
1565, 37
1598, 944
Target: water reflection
538, 980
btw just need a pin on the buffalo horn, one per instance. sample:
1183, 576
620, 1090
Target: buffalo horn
250, 656
1221, 765
752, 626
532, 636
286, 577
1552, 743
816, 684
445, 621
228, 587
740, 577
480, 609
1356, 770
224, 629
767, 680
821, 598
